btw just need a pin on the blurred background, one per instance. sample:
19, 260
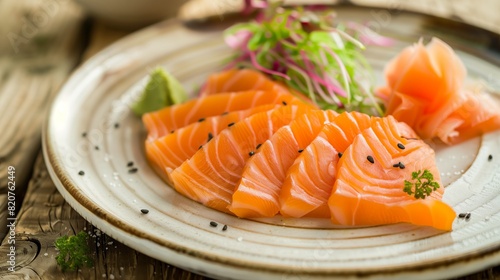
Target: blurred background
31, 24
35, 25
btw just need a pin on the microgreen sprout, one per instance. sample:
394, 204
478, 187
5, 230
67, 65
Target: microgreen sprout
309, 51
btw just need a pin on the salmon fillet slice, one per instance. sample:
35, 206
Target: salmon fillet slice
369, 189
257, 194
212, 173
309, 181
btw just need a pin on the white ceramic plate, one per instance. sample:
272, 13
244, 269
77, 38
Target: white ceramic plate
177, 231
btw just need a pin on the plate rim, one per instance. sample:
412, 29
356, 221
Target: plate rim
95, 214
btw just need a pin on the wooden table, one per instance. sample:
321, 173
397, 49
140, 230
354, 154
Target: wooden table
42, 43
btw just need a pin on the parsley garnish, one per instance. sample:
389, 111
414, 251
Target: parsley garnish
423, 184
73, 252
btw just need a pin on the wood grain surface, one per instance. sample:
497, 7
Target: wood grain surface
43, 46
43, 41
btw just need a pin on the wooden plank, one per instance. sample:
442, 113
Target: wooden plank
45, 216
41, 49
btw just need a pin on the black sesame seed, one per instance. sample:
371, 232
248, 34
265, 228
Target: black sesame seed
396, 164
133, 170
301, 150
202, 119
251, 153
401, 146
144, 211
224, 228
84, 134
258, 146
230, 124
284, 103
340, 155
81, 173
210, 136
213, 224
462, 215
467, 216
130, 163
172, 131
201, 146
96, 147
117, 125
370, 159
401, 165
490, 157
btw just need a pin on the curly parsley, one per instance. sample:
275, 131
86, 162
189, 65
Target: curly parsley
73, 252
422, 186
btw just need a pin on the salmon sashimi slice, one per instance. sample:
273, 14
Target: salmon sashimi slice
441, 106
171, 150
310, 179
212, 173
240, 80
369, 189
164, 121
257, 194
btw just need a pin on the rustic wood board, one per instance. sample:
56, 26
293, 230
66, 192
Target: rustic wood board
45, 216
41, 49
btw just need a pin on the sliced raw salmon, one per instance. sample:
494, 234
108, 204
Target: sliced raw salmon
310, 179
425, 89
257, 194
171, 150
240, 80
212, 173
164, 121
369, 189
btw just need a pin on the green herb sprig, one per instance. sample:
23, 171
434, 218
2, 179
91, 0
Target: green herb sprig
422, 186
74, 252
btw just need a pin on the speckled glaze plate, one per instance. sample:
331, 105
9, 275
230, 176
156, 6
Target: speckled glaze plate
91, 136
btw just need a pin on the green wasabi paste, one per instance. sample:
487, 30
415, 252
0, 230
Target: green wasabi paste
161, 91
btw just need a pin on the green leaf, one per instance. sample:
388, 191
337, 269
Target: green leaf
333, 57
422, 186
321, 37
407, 188
162, 90
74, 252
